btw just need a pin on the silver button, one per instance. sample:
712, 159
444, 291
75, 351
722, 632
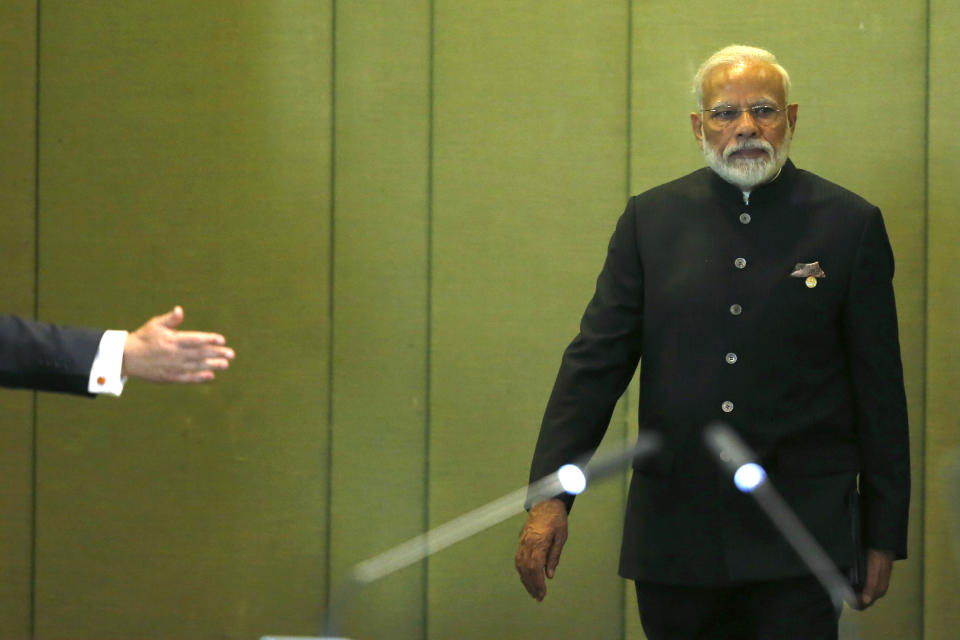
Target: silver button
740, 263
727, 406
736, 309
745, 218
731, 358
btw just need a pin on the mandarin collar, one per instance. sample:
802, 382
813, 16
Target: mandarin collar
763, 193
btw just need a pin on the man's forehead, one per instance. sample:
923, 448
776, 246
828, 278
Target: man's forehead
757, 78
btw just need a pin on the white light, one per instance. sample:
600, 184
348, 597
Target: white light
749, 476
571, 479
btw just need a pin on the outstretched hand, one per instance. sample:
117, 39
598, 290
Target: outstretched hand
541, 542
159, 353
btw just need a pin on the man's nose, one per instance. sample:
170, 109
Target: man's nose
746, 126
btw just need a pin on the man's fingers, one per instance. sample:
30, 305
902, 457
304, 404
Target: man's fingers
192, 378
173, 318
217, 363
192, 366
879, 568
201, 354
177, 352
530, 561
553, 557
867, 596
529, 564
869, 593
198, 338
533, 581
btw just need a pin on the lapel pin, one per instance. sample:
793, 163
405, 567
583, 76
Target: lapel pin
810, 271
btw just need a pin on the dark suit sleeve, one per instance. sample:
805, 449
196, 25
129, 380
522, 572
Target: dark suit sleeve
36, 355
599, 363
873, 350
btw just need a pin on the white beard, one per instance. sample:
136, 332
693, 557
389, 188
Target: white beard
747, 173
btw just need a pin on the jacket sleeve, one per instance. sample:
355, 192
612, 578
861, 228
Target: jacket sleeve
873, 351
599, 363
46, 357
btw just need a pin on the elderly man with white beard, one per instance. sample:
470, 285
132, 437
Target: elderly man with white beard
759, 294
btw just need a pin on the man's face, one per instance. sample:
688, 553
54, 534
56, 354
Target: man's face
745, 149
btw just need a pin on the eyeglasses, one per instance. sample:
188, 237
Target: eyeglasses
763, 114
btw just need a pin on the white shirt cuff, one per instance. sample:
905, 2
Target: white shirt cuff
105, 372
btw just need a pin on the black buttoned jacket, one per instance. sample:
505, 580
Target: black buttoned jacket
807, 371
36, 355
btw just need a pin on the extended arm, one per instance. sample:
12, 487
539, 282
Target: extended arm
596, 368
46, 357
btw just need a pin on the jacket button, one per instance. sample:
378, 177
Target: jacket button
727, 406
744, 218
736, 309
740, 263
731, 358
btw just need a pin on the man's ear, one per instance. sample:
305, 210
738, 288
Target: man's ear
697, 123
792, 117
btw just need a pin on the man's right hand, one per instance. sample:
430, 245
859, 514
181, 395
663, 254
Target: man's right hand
158, 352
541, 542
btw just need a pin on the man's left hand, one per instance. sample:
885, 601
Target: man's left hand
879, 568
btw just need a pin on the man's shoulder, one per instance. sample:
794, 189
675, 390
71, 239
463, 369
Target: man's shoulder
816, 189
695, 184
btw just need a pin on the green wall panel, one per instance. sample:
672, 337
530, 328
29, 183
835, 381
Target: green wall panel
185, 158
18, 47
530, 177
942, 517
378, 482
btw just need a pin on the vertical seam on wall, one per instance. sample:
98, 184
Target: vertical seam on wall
926, 315
428, 362
629, 93
629, 167
330, 301
32, 613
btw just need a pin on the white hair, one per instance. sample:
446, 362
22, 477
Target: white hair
734, 54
